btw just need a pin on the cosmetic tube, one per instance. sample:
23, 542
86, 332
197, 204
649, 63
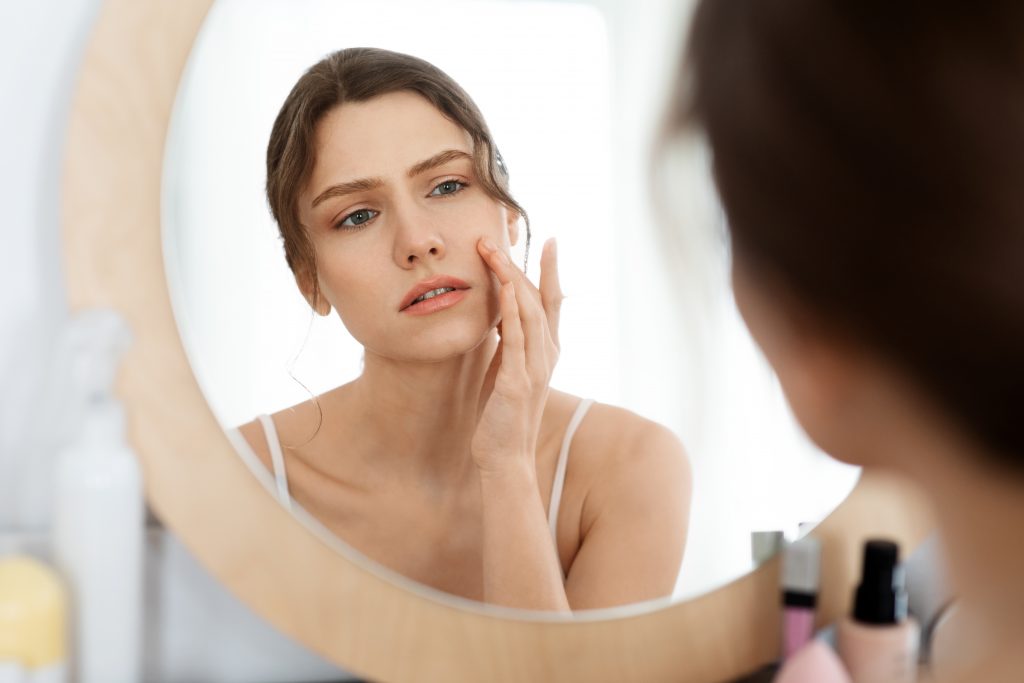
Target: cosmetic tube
800, 570
878, 643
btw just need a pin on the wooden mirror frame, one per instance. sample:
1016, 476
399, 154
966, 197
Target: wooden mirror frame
331, 601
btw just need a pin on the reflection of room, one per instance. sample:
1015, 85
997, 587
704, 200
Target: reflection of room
732, 424
567, 159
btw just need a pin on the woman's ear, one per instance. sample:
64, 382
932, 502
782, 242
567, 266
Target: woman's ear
512, 225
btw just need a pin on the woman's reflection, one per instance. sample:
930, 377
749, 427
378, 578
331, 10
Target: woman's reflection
450, 460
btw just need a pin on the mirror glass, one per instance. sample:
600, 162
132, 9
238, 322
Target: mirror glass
571, 92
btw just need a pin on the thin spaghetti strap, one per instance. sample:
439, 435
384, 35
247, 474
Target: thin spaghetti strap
563, 462
277, 458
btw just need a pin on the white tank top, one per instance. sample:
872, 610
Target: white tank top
279, 484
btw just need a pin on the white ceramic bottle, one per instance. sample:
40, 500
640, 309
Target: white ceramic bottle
99, 515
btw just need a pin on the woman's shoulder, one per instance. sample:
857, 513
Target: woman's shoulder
610, 435
289, 426
627, 466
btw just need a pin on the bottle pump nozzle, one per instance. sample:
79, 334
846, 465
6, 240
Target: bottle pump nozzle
96, 340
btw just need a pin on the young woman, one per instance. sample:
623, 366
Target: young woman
870, 158
450, 460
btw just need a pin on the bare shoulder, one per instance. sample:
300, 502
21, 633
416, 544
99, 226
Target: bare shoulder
290, 424
253, 434
632, 483
633, 488
610, 437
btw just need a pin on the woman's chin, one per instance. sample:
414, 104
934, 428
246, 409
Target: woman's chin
444, 343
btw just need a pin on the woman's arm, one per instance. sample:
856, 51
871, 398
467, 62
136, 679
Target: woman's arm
521, 567
635, 517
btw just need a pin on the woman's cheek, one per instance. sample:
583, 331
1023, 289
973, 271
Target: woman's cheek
358, 308
494, 300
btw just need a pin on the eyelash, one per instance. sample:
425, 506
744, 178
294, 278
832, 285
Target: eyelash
340, 225
462, 186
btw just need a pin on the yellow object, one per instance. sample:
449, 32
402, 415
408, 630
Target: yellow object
33, 609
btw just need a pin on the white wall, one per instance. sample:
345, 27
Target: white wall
41, 44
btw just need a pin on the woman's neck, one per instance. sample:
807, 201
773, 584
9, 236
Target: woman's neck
981, 515
980, 510
417, 419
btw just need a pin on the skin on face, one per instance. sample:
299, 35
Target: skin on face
401, 226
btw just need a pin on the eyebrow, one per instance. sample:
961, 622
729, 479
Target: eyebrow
341, 189
438, 160
366, 184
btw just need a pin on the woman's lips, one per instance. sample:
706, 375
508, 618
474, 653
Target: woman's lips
437, 303
429, 285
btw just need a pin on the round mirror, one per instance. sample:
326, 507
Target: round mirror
125, 223
629, 321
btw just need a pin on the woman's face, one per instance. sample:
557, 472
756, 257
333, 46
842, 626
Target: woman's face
394, 201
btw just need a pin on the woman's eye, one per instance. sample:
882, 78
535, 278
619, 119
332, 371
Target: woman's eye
357, 218
447, 187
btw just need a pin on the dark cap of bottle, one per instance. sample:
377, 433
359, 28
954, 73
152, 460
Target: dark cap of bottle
880, 597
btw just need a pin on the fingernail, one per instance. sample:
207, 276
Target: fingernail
489, 245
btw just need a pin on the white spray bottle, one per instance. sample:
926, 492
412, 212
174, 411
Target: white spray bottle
99, 515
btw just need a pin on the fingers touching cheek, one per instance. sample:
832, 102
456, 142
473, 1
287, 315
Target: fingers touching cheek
496, 259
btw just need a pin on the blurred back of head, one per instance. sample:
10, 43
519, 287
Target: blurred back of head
870, 157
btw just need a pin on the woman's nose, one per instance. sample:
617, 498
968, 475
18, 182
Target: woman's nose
417, 240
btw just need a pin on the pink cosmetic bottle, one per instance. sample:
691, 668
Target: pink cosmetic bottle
800, 570
878, 643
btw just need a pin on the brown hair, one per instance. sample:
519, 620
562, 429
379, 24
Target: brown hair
357, 75
870, 155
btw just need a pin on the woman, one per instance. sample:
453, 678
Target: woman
445, 459
870, 159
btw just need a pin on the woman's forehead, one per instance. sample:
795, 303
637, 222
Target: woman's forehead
383, 137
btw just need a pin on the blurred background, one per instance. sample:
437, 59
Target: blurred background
573, 93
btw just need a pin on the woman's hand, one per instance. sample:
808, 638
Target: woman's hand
505, 440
